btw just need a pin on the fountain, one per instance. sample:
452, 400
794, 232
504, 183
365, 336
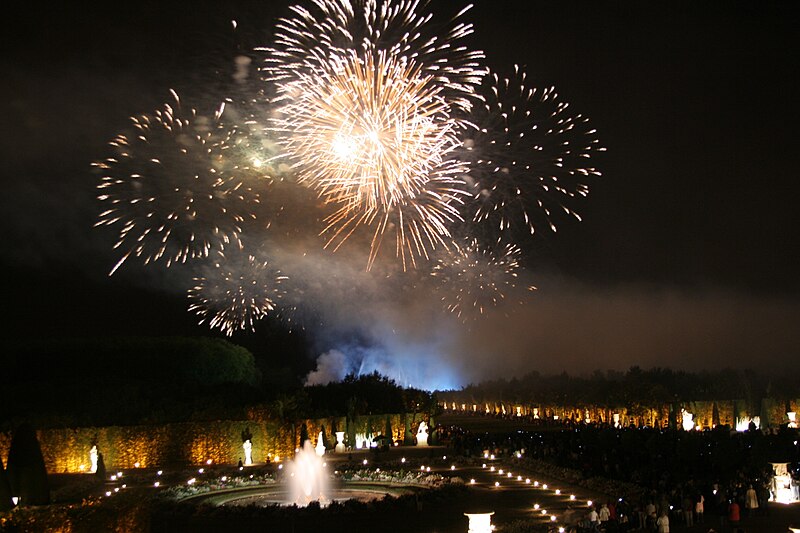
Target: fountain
364, 441
743, 424
307, 482
422, 434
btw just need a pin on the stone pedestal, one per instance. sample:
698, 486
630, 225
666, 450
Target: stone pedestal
479, 522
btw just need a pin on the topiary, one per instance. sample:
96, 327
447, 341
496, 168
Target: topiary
27, 473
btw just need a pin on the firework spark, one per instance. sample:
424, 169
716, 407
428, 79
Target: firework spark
420, 224
370, 133
237, 291
306, 42
171, 189
475, 278
375, 139
376, 123
530, 156
367, 93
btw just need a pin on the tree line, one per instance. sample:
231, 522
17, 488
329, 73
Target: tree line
650, 387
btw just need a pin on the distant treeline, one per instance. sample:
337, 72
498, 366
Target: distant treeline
653, 387
129, 381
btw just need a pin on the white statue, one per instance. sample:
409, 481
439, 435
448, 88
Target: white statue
339, 442
248, 452
93, 459
687, 420
422, 434
782, 484
320, 447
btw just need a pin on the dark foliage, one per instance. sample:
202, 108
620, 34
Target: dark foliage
125, 380
26, 471
421, 511
636, 387
5, 489
366, 395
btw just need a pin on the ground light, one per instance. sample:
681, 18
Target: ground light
480, 522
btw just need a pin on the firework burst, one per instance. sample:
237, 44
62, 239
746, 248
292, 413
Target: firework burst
308, 40
372, 127
530, 156
376, 141
370, 133
237, 291
420, 224
473, 278
171, 189
367, 93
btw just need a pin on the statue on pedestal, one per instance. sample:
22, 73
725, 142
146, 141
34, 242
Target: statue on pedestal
248, 447
422, 434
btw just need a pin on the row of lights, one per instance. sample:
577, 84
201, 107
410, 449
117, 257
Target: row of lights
544, 486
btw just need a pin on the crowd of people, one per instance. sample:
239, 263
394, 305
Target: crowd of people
680, 476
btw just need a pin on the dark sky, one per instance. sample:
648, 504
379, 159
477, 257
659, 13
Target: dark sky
686, 256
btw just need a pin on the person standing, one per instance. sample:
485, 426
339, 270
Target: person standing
699, 509
650, 510
604, 515
763, 499
751, 501
663, 523
733, 513
641, 514
594, 520
687, 506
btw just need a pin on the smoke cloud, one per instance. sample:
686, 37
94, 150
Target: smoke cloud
565, 326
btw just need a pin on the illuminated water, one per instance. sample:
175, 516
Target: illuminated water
307, 478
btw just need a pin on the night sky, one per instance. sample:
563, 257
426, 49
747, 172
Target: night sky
686, 256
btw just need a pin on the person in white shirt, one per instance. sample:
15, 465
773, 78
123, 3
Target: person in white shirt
594, 520
604, 515
663, 523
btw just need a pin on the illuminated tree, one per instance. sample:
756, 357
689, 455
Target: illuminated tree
5, 490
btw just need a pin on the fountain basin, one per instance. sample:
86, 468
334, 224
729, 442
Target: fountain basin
279, 494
